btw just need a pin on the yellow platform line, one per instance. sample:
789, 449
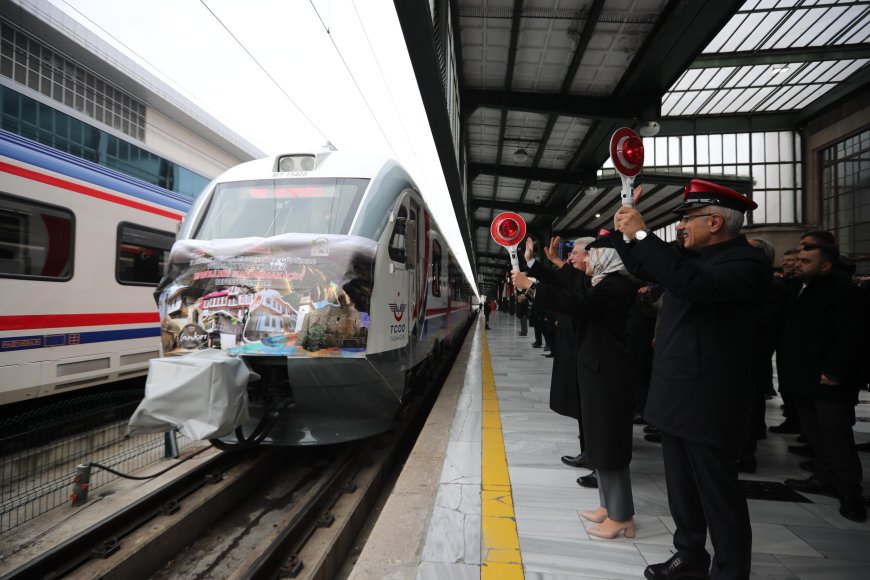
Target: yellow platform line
500, 558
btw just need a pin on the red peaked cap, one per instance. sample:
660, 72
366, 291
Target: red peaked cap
602, 240
701, 193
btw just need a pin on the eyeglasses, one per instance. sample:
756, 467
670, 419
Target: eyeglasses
685, 219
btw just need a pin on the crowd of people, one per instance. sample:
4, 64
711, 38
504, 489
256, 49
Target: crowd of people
682, 337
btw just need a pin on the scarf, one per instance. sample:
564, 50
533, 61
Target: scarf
604, 261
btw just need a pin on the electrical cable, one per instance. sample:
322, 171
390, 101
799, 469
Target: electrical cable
144, 477
353, 78
262, 68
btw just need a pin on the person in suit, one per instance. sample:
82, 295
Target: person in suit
700, 392
564, 393
820, 363
600, 311
523, 314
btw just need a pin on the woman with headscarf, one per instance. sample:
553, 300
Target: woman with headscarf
604, 378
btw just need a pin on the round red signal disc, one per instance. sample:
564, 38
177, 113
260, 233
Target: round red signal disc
626, 151
508, 229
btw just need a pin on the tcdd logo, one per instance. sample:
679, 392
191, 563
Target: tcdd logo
398, 309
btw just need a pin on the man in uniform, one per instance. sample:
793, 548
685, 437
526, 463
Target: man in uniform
700, 390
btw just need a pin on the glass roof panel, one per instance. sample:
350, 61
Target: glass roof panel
726, 33
750, 24
826, 24
695, 101
758, 32
795, 25
757, 98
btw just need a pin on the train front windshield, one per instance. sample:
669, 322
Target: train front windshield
271, 207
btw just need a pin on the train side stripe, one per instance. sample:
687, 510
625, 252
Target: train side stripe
11, 343
78, 188
34, 321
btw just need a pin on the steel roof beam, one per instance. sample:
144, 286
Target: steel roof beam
782, 56
532, 208
555, 104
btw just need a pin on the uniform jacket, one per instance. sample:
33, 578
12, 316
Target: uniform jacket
822, 333
701, 386
603, 374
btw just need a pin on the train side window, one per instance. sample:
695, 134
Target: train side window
142, 254
436, 268
36, 240
397, 238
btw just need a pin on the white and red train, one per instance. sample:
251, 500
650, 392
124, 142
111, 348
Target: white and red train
326, 272
81, 250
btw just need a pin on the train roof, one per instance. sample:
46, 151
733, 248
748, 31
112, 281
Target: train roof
33, 153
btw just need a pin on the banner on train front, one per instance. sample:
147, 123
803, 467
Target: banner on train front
290, 295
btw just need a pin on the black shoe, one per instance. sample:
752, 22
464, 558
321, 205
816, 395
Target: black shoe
811, 485
853, 508
575, 460
747, 465
802, 438
802, 450
590, 481
546, 348
653, 437
674, 569
808, 465
522, 334
865, 447
536, 345
785, 427
549, 355
650, 429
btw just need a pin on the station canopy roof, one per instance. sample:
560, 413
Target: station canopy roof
545, 83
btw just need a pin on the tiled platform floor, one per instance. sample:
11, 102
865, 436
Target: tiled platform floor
790, 540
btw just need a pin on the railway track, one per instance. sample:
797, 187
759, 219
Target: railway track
255, 513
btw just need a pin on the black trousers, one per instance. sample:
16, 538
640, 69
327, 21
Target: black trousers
703, 492
828, 426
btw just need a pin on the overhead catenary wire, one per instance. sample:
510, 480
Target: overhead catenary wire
262, 68
353, 78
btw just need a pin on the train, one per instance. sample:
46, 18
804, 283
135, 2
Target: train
326, 273
82, 249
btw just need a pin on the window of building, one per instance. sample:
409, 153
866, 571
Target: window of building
27, 61
771, 159
37, 121
36, 240
142, 254
845, 187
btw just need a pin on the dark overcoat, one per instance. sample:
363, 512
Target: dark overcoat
701, 385
822, 333
603, 374
564, 394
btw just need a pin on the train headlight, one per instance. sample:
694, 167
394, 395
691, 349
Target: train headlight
296, 163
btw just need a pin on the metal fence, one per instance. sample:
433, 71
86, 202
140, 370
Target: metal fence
41, 448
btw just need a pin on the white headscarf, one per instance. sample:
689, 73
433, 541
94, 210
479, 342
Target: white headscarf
604, 261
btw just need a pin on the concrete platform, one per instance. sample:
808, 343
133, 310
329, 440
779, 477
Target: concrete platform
484, 495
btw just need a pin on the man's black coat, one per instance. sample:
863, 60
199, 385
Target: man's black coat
701, 385
822, 333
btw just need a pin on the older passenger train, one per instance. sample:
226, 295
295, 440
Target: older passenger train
326, 272
81, 250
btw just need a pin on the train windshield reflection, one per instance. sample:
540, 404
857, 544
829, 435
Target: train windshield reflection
270, 207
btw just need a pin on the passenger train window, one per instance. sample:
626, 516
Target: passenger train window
36, 240
142, 254
397, 238
436, 268
271, 207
